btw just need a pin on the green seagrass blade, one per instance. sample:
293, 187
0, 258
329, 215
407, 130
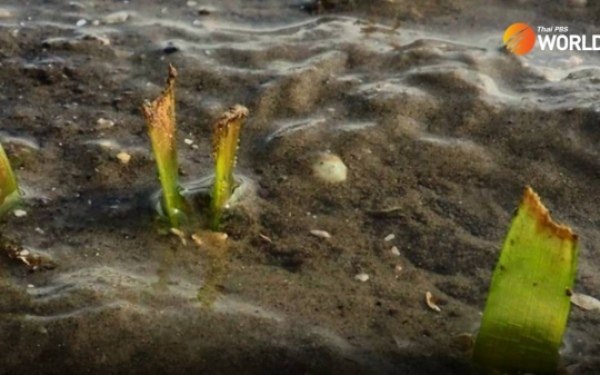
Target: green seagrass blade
528, 303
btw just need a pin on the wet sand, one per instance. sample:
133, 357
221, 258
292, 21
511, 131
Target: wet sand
440, 131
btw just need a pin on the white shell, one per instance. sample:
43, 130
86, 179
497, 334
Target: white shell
320, 233
330, 168
585, 302
124, 157
19, 213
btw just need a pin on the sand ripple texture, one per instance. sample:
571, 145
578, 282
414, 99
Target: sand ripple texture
439, 128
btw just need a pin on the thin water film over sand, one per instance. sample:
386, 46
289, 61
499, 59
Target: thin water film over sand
386, 147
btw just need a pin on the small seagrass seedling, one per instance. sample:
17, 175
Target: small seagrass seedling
226, 134
160, 118
9, 189
528, 304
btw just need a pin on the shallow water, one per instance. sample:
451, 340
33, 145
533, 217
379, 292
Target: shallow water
440, 131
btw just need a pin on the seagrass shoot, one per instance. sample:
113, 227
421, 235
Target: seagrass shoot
528, 304
10, 195
161, 122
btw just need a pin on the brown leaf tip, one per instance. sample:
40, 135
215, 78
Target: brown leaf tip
234, 116
172, 75
237, 112
533, 204
160, 113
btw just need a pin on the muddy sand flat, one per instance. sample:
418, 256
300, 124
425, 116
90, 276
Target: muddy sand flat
440, 131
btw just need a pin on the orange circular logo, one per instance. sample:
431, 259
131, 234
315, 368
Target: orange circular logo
519, 38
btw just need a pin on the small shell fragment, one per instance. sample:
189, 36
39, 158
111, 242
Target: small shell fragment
389, 237
124, 157
320, 233
395, 251
208, 240
188, 141
103, 123
179, 233
429, 300
197, 239
330, 168
265, 237
19, 213
362, 277
585, 302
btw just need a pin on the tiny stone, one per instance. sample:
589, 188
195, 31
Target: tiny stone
81, 23
124, 157
188, 141
320, 233
40, 230
389, 237
20, 213
30, 286
362, 277
103, 123
192, 3
395, 251
398, 268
